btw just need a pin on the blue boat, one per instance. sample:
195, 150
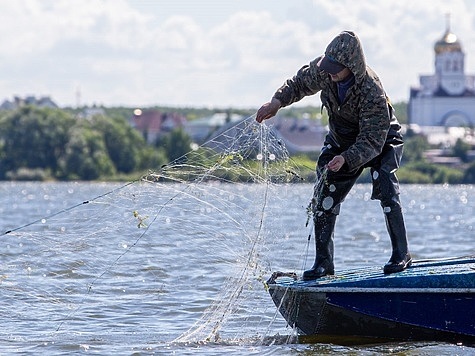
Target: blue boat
431, 300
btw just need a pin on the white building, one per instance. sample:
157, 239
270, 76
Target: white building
446, 98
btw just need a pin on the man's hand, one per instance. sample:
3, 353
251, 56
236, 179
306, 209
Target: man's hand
336, 163
268, 110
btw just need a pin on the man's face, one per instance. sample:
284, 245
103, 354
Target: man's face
341, 75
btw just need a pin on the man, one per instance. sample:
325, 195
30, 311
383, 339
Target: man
363, 133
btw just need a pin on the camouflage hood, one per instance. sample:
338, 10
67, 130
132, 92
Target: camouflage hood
346, 49
363, 122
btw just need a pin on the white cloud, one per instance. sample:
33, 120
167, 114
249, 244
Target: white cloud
178, 52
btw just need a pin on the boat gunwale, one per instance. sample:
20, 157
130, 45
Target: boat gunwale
342, 289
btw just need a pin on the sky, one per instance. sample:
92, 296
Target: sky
203, 53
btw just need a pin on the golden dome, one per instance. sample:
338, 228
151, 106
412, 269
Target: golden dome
448, 42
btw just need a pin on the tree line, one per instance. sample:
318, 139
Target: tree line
43, 143
57, 144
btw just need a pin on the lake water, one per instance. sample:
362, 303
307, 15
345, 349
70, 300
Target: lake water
153, 268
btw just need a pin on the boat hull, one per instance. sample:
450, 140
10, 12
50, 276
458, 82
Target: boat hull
414, 305
335, 314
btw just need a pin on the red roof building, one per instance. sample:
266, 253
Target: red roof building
153, 123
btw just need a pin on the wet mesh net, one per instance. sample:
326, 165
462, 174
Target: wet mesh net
178, 256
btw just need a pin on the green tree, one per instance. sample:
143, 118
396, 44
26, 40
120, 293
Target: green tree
86, 155
400, 109
461, 149
176, 144
123, 143
469, 174
426, 172
39, 143
414, 148
152, 158
33, 138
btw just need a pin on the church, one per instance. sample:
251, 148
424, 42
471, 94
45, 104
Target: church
446, 98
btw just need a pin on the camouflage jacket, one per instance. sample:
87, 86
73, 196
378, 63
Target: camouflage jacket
364, 122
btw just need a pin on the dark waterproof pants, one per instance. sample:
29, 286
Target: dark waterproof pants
334, 187
337, 185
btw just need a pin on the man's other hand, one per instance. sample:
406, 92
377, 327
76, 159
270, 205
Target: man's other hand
336, 163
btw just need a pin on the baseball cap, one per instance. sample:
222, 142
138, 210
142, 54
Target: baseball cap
330, 65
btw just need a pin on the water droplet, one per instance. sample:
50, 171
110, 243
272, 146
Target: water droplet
327, 203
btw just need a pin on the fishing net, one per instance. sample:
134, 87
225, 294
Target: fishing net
178, 256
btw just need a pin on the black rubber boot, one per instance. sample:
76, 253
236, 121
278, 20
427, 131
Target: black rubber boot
323, 266
400, 257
